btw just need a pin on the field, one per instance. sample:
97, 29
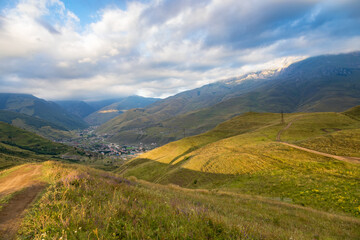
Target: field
245, 155
84, 203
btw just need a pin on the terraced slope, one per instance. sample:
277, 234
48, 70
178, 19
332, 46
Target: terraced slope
243, 155
84, 203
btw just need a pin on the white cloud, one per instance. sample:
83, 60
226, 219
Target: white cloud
162, 47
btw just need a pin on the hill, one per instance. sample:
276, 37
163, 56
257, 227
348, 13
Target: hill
18, 146
80, 109
36, 107
317, 84
36, 125
83, 203
313, 159
116, 108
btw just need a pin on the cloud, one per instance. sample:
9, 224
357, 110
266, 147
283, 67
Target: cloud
160, 47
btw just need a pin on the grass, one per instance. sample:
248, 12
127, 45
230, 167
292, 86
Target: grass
18, 146
25, 140
84, 203
341, 143
251, 161
318, 124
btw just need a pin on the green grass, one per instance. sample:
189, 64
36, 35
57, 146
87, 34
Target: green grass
341, 143
84, 203
250, 160
25, 140
317, 124
18, 146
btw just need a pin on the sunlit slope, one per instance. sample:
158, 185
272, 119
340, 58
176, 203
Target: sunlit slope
251, 160
251, 130
242, 124
84, 203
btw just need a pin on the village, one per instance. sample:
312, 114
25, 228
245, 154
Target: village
90, 142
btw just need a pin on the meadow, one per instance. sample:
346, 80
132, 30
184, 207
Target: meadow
252, 161
84, 203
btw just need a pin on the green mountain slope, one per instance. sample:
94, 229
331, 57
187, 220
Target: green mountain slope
48, 111
325, 83
36, 125
18, 146
83, 203
243, 155
115, 109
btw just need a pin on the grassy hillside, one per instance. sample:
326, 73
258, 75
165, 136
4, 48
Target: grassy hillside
319, 84
18, 146
36, 125
83, 203
242, 155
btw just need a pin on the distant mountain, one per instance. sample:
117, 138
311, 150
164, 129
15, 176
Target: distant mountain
103, 103
36, 107
36, 125
77, 108
116, 108
324, 83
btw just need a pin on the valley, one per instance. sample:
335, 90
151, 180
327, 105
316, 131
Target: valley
179, 120
90, 142
255, 176
268, 155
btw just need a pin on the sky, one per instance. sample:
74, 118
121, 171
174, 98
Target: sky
92, 49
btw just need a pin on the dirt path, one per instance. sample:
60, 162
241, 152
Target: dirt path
26, 186
278, 137
341, 158
19, 179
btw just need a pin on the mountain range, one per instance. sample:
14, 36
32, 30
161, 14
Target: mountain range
316, 84
53, 120
39, 108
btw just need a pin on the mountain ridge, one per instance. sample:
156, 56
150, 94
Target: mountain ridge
36, 107
323, 83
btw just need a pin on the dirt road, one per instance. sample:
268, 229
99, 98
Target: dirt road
25, 184
341, 158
